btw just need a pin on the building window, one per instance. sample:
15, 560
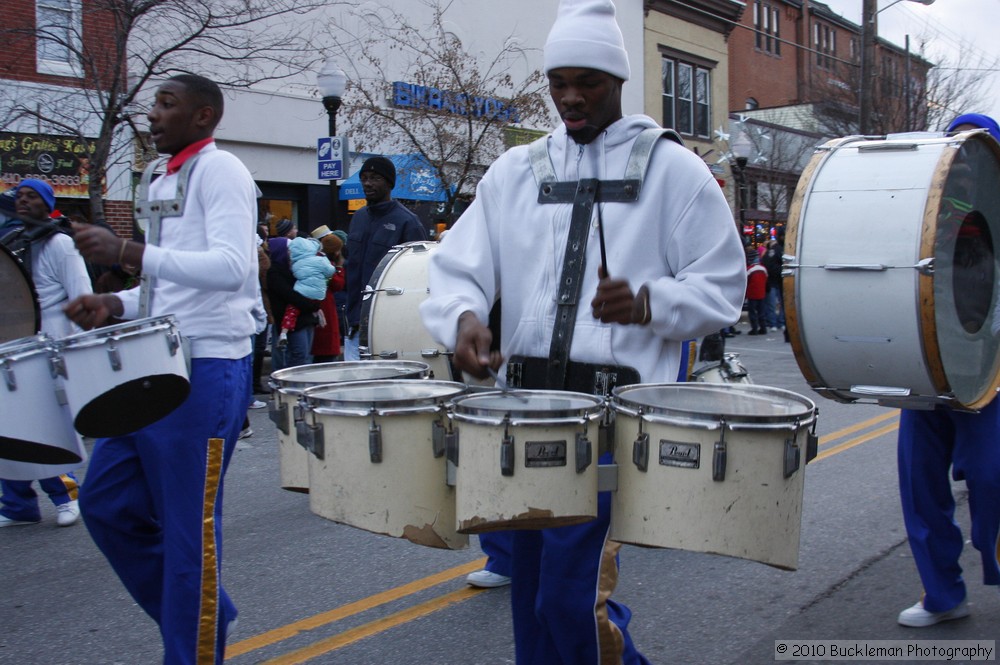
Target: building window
766, 24
687, 97
58, 27
825, 45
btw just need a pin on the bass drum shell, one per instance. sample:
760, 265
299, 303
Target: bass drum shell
891, 294
670, 492
390, 311
539, 432
20, 316
288, 384
37, 439
380, 470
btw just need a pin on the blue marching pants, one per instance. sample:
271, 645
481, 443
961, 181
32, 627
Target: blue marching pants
560, 595
153, 505
20, 502
497, 547
929, 443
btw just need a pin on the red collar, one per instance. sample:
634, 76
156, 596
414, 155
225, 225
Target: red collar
175, 163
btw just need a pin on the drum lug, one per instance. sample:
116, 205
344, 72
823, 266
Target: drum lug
451, 452
8, 374
640, 451
114, 357
925, 266
279, 414
438, 434
719, 456
430, 353
58, 366
584, 452
375, 442
311, 438
812, 441
388, 355
792, 457
173, 342
606, 433
507, 455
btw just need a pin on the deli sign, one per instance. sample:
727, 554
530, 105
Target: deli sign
61, 161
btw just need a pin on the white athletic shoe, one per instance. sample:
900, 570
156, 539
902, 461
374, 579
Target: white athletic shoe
68, 513
6, 521
918, 617
484, 579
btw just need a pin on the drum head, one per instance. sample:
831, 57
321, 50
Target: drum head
527, 404
705, 402
19, 313
388, 394
296, 379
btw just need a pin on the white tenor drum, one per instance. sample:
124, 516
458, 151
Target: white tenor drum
727, 370
711, 468
891, 292
123, 377
390, 327
37, 439
525, 460
287, 386
378, 458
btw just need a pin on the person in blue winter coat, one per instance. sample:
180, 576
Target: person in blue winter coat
312, 271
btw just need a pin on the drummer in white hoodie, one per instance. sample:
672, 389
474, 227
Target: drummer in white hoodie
675, 271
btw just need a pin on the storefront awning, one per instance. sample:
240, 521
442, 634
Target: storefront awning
416, 180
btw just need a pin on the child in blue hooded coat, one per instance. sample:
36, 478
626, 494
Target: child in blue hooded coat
312, 271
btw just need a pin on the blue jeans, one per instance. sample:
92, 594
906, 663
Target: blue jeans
297, 352
775, 308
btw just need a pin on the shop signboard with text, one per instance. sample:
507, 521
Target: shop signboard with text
61, 161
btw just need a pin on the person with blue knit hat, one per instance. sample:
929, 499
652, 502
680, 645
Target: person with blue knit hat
932, 442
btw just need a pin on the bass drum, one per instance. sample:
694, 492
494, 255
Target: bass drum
390, 311
19, 312
891, 285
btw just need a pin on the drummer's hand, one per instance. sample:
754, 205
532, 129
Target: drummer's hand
93, 310
615, 303
98, 245
472, 348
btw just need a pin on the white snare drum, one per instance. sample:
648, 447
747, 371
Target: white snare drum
378, 459
287, 385
37, 439
727, 370
711, 468
124, 377
525, 460
390, 325
893, 289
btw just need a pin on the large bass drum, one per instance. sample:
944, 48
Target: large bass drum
891, 285
19, 313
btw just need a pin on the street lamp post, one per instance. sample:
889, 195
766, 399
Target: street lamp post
869, 35
331, 81
741, 148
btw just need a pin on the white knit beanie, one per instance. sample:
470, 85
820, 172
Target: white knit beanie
586, 34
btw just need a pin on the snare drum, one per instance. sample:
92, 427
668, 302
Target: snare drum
124, 377
727, 370
711, 468
378, 459
390, 311
287, 385
37, 439
892, 291
525, 459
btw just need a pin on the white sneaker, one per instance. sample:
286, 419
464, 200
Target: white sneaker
246, 433
484, 579
6, 521
257, 404
68, 513
918, 617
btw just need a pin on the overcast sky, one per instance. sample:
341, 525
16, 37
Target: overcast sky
947, 23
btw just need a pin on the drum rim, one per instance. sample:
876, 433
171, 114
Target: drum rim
26, 347
622, 405
314, 399
123, 329
282, 381
460, 410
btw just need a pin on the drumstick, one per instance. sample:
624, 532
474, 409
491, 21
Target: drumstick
505, 390
600, 235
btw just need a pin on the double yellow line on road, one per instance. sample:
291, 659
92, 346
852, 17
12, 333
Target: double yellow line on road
324, 646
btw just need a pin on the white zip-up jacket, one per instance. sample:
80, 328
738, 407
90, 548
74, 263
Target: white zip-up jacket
679, 238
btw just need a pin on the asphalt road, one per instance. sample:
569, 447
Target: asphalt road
313, 591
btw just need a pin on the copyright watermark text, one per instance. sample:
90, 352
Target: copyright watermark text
934, 650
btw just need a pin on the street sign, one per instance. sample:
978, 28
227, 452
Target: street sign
330, 151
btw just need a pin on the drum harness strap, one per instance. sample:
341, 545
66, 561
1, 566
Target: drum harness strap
558, 372
153, 212
21, 238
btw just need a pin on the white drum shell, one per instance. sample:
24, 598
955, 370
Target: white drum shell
288, 385
32, 420
753, 513
405, 495
149, 357
533, 497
